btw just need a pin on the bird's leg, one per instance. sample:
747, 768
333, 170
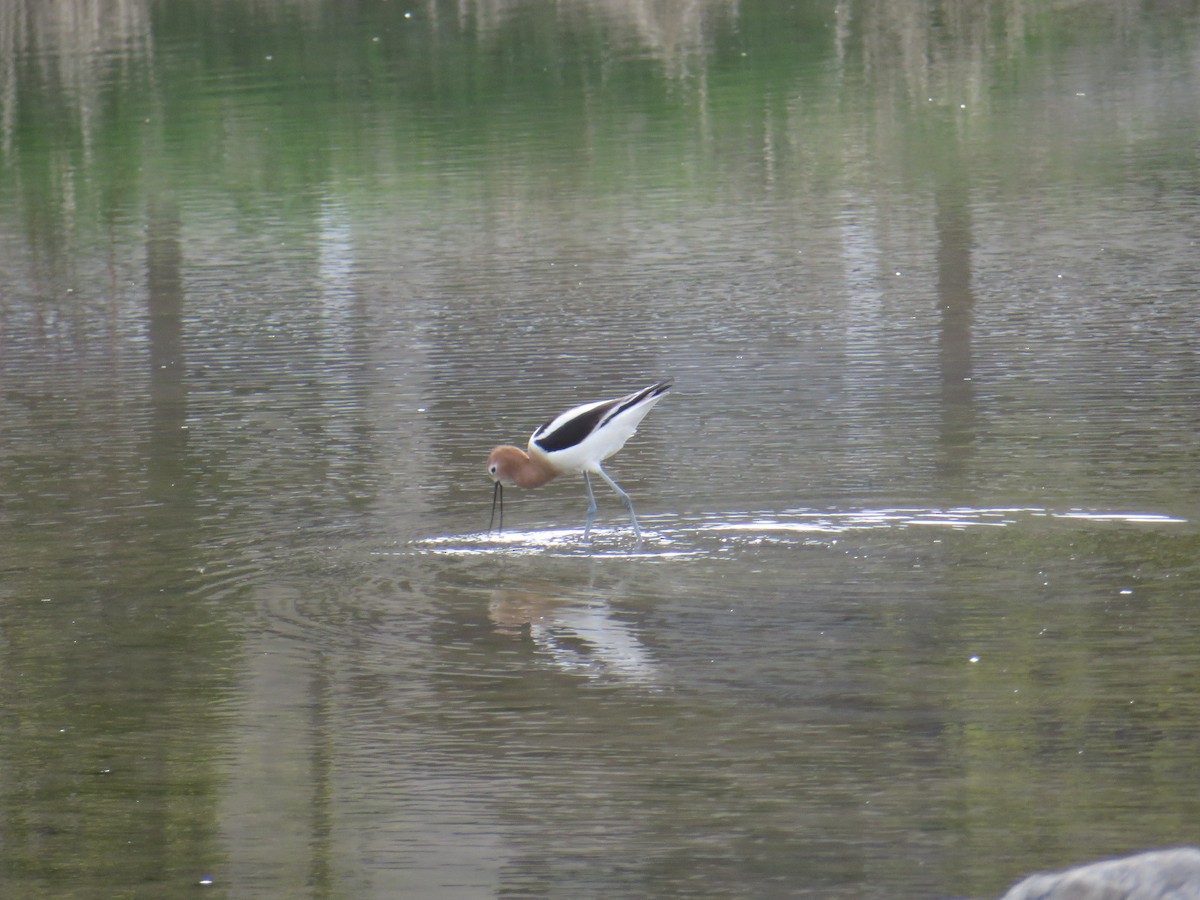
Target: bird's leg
591, 517
637, 532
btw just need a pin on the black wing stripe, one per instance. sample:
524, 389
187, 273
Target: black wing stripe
633, 400
576, 430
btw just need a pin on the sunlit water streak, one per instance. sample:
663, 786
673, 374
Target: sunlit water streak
668, 537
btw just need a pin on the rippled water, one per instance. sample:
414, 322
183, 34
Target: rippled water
915, 609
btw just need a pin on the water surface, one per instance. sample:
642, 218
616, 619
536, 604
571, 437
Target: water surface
916, 609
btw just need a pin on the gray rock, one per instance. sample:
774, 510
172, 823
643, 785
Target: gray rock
1157, 875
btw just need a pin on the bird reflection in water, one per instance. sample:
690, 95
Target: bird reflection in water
579, 635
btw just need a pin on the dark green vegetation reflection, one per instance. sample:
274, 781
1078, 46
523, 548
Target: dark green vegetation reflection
185, 430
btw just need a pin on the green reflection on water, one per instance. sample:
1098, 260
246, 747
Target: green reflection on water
281, 100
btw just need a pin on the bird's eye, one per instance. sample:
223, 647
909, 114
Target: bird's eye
492, 469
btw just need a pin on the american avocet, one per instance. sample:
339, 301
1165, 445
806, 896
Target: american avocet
576, 441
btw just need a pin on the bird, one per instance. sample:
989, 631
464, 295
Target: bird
576, 441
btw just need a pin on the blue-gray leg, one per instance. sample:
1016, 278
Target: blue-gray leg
637, 532
587, 529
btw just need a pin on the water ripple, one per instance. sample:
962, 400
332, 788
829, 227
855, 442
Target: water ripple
667, 536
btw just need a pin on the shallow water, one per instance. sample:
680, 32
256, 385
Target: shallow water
915, 609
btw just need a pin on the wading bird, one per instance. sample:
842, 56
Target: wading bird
578, 440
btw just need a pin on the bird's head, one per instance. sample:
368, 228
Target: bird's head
495, 464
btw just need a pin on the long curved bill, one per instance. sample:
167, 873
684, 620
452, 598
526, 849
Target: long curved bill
497, 496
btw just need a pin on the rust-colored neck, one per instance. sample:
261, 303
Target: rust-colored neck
519, 467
